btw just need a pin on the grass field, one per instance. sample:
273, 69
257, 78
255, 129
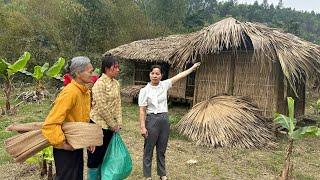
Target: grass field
211, 163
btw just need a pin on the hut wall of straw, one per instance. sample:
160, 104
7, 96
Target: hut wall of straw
299, 100
178, 89
264, 84
256, 82
212, 77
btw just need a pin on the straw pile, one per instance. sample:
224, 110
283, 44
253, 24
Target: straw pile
78, 134
227, 121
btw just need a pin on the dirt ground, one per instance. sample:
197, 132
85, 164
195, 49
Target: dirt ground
209, 163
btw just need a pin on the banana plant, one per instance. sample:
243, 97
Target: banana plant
7, 71
44, 159
294, 133
54, 71
39, 72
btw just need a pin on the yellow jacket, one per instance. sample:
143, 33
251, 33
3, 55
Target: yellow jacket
71, 105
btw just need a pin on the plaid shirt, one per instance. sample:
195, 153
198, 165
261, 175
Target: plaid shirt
106, 102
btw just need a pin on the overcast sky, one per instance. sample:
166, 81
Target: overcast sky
302, 5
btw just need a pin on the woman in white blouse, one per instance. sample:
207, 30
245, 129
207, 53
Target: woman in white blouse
154, 122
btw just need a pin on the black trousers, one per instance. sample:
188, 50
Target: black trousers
158, 133
69, 164
95, 159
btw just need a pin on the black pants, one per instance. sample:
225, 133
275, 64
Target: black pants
158, 134
95, 159
69, 164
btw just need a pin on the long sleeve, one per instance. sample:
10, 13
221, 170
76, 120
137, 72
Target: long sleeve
118, 108
103, 102
52, 126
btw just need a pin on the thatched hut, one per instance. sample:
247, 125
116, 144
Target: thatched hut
145, 53
238, 58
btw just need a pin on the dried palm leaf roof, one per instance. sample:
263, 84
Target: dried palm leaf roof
227, 121
299, 59
154, 50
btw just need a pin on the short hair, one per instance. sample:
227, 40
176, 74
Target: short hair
107, 61
156, 66
78, 64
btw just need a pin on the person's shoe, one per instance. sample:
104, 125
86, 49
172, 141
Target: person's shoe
148, 178
163, 178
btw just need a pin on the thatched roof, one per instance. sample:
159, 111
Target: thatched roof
227, 121
299, 59
157, 49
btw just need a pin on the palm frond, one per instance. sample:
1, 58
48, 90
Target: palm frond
227, 121
153, 50
299, 59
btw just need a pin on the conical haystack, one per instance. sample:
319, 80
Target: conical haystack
227, 121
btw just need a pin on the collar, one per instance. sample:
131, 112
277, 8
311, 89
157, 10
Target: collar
149, 85
82, 88
106, 78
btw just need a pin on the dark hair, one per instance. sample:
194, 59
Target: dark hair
156, 66
107, 61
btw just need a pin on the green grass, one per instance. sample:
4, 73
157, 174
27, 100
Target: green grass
28, 112
211, 163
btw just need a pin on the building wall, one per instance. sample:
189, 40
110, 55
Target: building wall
217, 76
178, 90
212, 77
263, 83
257, 81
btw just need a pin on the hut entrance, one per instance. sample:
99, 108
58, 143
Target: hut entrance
141, 73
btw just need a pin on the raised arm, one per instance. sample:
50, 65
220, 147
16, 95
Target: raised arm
184, 73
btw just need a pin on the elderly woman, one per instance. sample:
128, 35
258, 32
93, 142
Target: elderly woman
106, 111
154, 122
71, 105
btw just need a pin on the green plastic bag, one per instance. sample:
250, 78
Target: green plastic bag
117, 163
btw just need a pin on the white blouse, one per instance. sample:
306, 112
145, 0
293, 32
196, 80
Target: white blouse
155, 97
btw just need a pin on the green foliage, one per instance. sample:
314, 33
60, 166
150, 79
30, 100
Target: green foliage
7, 69
3, 68
97, 71
46, 154
19, 65
66, 28
54, 71
38, 71
290, 122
